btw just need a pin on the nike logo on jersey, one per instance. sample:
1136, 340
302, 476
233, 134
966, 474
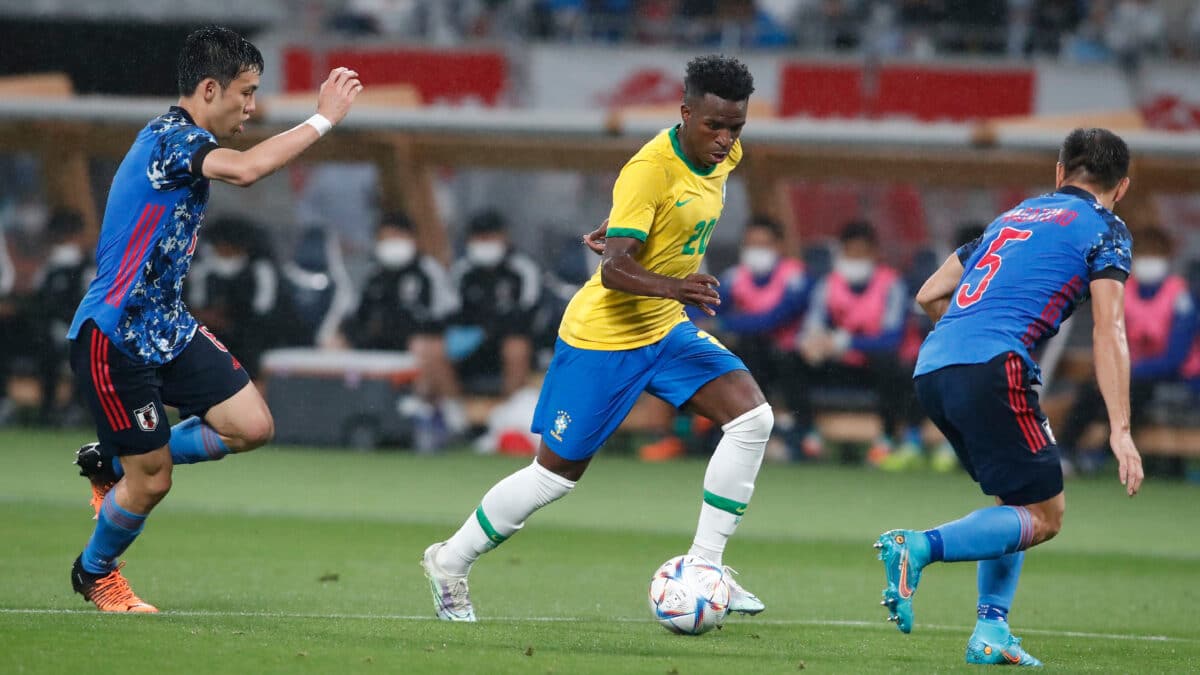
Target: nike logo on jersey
684, 202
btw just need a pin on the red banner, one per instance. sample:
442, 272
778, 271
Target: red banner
440, 76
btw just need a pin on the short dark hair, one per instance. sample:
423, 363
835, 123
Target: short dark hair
722, 76
858, 230
768, 224
218, 53
64, 225
1153, 238
397, 220
487, 222
1096, 156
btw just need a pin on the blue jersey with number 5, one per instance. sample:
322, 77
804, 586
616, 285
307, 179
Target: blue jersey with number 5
1024, 277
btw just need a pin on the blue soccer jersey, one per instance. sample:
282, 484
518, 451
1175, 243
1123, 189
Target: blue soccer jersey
1024, 277
147, 239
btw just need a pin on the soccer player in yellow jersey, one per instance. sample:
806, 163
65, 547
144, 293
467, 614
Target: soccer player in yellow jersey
625, 332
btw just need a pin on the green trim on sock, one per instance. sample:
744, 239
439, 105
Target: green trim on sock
486, 524
719, 502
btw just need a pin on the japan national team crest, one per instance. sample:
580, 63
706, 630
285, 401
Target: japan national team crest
147, 417
560, 425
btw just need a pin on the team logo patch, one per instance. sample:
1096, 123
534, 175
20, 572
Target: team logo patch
1049, 433
147, 417
560, 425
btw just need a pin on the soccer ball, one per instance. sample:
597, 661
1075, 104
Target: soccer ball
689, 595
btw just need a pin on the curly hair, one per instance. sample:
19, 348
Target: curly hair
722, 76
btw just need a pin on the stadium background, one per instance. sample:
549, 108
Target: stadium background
918, 115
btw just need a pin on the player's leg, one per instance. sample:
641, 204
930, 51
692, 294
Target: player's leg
516, 358
585, 396
124, 400
701, 375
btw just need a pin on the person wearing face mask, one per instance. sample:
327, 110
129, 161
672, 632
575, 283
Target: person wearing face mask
500, 289
1160, 326
60, 285
404, 306
234, 290
852, 334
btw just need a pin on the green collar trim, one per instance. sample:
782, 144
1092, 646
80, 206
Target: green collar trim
674, 134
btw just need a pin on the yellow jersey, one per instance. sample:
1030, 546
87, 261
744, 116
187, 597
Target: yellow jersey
672, 207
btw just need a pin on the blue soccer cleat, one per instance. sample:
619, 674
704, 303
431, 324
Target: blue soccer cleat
904, 553
993, 643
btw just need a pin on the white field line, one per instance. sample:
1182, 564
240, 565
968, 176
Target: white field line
574, 619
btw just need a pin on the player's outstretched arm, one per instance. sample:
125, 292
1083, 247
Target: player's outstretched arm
934, 296
620, 271
334, 99
1111, 352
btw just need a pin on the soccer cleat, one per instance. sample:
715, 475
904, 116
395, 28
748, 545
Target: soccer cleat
451, 597
671, 447
110, 592
740, 599
903, 566
944, 460
98, 471
993, 643
907, 457
880, 450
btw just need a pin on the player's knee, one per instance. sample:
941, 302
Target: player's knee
753, 426
258, 430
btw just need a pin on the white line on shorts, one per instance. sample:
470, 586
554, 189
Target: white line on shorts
846, 623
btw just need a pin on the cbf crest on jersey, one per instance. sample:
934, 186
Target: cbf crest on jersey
560, 425
147, 417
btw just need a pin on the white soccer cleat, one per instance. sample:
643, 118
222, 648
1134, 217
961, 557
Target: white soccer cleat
740, 599
451, 598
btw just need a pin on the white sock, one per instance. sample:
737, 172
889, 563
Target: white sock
729, 481
501, 513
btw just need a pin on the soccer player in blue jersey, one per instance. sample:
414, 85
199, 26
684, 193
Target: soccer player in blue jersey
994, 301
134, 346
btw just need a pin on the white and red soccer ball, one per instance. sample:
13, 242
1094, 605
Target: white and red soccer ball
689, 595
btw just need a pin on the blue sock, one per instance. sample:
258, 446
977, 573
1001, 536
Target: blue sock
913, 435
982, 535
115, 530
997, 583
191, 441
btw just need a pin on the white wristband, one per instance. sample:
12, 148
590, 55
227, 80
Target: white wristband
320, 123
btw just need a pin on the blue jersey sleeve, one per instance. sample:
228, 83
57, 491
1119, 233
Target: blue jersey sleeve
965, 251
1111, 255
178, 155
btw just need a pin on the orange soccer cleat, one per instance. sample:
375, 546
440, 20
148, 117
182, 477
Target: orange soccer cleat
110, 592
669, 448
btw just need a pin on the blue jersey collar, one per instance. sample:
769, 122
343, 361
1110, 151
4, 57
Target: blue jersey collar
186, 115
1077, 192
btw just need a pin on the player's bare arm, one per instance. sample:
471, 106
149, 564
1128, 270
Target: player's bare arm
620, 271
1111, 352
934, 296
244, 168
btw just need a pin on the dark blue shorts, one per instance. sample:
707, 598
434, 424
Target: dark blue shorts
990, 414
587, 393
127, 397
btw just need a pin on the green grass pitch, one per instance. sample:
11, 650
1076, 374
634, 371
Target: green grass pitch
305, 561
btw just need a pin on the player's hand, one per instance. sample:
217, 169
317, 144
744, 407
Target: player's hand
337, 94
1129, 462
699, 290
595, 239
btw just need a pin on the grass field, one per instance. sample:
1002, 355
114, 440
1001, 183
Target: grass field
289, 560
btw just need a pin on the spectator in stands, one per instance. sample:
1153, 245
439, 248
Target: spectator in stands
1137, 28
404, 306
234, 290
12, 335
1161, 323
61, 285
499, 290
852, 335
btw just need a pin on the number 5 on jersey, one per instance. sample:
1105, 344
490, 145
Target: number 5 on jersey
991, 262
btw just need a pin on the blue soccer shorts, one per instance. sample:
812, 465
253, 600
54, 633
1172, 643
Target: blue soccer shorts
990, 414
126, 397
587, 392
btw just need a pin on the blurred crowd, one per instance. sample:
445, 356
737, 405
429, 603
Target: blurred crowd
835, 329
1078, 30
